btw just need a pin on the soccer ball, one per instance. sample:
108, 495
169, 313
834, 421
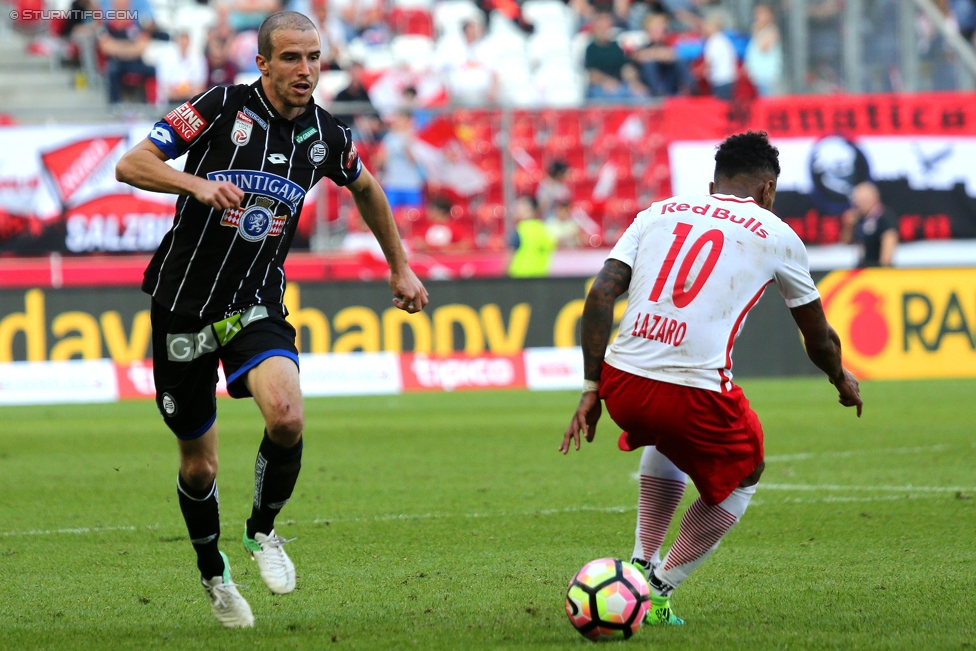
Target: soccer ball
608, 599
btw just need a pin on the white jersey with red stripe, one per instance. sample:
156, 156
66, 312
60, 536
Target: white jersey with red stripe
699, 264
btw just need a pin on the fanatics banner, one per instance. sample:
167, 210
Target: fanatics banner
920, 150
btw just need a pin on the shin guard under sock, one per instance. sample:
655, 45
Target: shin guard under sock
275, 473
201, 511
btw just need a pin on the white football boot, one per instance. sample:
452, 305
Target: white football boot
227, 604
277, 570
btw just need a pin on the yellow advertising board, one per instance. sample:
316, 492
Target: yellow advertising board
904, 323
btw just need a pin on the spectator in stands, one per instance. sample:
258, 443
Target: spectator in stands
639, 10
564, 229
123, 42
869, 223
357, 15
612, 76
82, 30
965, 14
721, 61
401, 175
764, 54
243, 50
421, 115
375, 31
181, 72
552, 188
823, 36
219, 40
246, 15
684, 13
440, 231
661, 69
531, 240
221, 71
363, 117
469, 68
332, 35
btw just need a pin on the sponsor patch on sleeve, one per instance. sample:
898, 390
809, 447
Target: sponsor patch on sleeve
351, 157
163, 137
187, 123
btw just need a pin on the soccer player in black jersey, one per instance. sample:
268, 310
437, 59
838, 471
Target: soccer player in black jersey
217, 281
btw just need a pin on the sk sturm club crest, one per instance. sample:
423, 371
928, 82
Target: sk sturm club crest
266, 195
317, 152
241, 134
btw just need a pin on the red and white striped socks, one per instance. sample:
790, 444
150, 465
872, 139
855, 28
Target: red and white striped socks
661, 488
702, 529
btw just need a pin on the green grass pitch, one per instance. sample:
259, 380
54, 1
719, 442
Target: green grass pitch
449, 521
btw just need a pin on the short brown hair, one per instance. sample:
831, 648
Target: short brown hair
277, 22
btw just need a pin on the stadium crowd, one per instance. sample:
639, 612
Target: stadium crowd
401, 71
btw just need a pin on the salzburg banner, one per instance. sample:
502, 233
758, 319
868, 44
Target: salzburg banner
58, 193
920, 150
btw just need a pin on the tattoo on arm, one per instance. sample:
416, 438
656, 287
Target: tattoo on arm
612, 281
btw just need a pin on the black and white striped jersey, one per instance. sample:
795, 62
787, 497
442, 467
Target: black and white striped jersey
212, 262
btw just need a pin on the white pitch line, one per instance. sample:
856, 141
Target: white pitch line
803, 456
76, 530
896, 489
500, 514
830, 499
933, 492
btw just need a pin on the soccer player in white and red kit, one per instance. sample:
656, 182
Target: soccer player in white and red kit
694, 266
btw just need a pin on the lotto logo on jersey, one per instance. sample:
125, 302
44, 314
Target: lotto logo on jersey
186, 121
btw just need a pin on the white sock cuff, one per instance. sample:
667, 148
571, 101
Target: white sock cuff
737, 502
655, 464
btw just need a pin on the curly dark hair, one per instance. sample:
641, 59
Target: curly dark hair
746, 153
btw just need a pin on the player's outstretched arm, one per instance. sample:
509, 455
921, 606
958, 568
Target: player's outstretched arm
823, 348
612, 281
408, 292
144, 167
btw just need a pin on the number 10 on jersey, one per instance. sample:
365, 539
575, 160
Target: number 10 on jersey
680, 296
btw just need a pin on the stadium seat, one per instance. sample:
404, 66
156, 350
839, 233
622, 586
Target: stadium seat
549, 16
559, 84
412, 22
451, 14
414, 50
412, 4
574, 157
522, 130
543, 47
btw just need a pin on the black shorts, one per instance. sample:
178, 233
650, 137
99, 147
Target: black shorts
185, 355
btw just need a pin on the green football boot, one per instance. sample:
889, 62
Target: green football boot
660, 613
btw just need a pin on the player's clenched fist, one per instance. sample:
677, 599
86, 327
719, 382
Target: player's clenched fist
409, 294
218, 194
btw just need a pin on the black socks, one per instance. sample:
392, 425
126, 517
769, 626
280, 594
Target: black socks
275, 473
201, 511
